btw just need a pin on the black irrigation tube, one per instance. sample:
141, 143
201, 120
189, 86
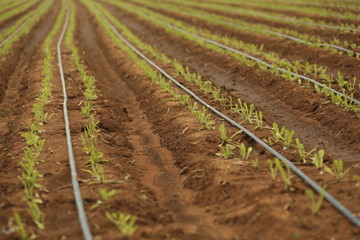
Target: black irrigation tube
255, 59
342, 209
74, 179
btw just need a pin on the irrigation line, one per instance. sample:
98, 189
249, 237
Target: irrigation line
310, 23
295, 39
284, 18
342, 209
16, 31
280, 35
19, 28
256, 60
78, 200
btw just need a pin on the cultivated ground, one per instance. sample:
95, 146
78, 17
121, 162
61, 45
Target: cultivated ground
145, 148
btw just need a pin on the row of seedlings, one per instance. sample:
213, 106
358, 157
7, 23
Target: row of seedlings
30, 177
289, 71
280, 32
125, 223
247, 112
33, 16
324, 12
283, 18
17, 10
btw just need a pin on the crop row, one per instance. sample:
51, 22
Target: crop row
22, 27
125, 223
30, 176
246, 111
278, 17
279, 135
17, 10
346, 15
6, 7
334, 46
226, 10
290, 71
332, 4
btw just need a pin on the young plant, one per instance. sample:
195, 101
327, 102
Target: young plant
124, 222
301, 149
20, 229
86, 109
357, 179
318, 158
37, 215
97, 171
315, 205
105, 196
255, 163
226, 151
205, 119
285, 175
337, 169
273, 169
223, 134
288, 138
258, 119
244, 152
276, 134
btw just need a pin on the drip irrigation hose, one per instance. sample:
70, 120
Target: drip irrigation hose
78, 199
282, 35
314, 24
352, 100
342, 209
20, 27
296, 39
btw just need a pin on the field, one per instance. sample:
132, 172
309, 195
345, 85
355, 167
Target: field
179, 119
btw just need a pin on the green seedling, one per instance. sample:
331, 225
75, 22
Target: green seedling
276, 134
341, 81
86, 109
318, 158
90, 128
244, 152
273, 169
288, 138
184, 99
351, 85
285, 175
90, 93
205, 119
357, 179
315, 205
124, 222
32, 139
105, 196
97, 171
226, 151
40, 116
255, 163
20, 229
193, 108
258, 119
223, 134
337, 169
301, 149
88, 143
37, 216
